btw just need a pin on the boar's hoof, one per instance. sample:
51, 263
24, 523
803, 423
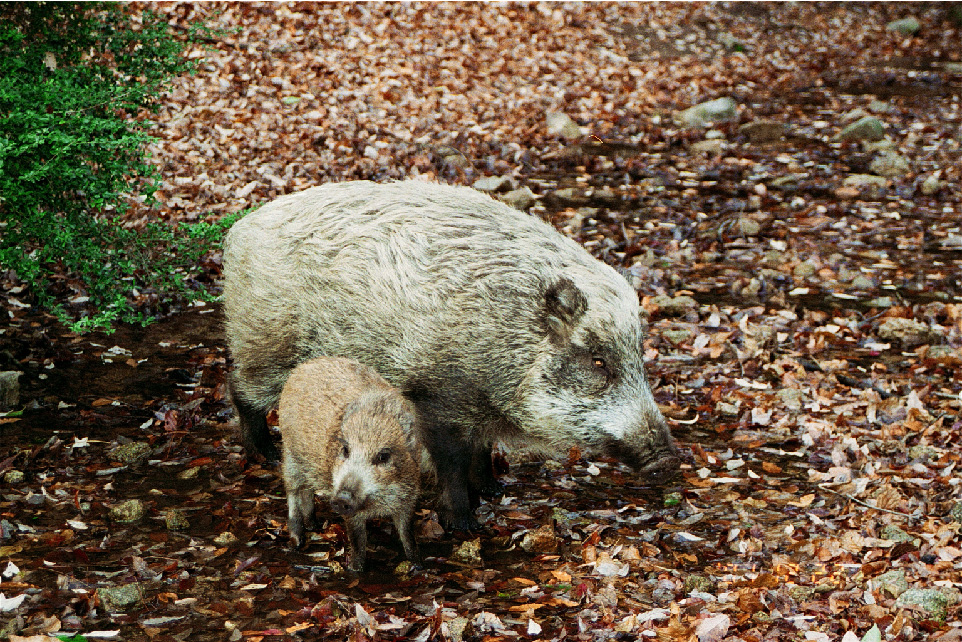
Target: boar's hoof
661, 471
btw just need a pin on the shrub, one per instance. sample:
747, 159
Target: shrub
73, 77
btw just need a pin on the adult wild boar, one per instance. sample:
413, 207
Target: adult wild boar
493, 323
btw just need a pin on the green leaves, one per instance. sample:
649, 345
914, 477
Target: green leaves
72, 76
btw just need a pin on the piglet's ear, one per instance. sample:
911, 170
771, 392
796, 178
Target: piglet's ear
564, 304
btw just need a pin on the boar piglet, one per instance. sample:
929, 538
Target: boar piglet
348, 435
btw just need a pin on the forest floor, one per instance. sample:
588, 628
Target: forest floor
803, 280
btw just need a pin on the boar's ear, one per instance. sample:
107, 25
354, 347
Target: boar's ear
564, 305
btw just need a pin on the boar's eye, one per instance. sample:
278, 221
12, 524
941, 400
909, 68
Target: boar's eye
599, 364
345, 451
382, 457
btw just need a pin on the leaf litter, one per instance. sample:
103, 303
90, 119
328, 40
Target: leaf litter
805, 328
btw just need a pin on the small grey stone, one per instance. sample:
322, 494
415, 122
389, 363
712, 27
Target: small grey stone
700, 583
863, 282
712, 111
933, 603
895, 534
120, 598
13, 476
763, 131
865, 180
879, 107
132, 510
226, 539
931, 185
791, 398
747, 226
908, 332
956, 512
674, 305
493, 184
9, 389
868, 128
176, 520
713, 146
889, 164
892, 584
541, 540
467, 553
804, 270
563, 125
678, 336
520, 199
880, 302
905, 26
131, 452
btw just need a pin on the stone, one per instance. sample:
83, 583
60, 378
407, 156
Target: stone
907, 332
704, 114
747, 226
13, 476
791, 398
804, 270
226, 539
674, 305
520, 199
176, 520
931, 185
700, 583
863, 282
890, 584
130, 453
9, 390
933, 603
467, 553
714, 146
540, 540
128, 512
120, 598
868, 128
563, 125
890, 165
493, 184
895, 534
906, 26
860, 181
763, 131
678, 336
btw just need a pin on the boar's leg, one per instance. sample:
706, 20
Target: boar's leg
404, 523
255, 434
300, 514
357, 541
482, 482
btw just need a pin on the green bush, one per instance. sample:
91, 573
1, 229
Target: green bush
72, 77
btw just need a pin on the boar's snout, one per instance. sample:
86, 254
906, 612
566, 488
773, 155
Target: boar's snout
345, 502
656, 463
662, 470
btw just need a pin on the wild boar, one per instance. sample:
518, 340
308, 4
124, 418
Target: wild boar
349, 435
493, 323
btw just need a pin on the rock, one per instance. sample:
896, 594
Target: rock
9, 390
933, 603
763, 131
674, 305
13, 476
791, 398
727, 409
908, 332
704, 114
455, 628
861, 181
563, 125
714, 146
226, 539
891, 584
931, 185
678, 336
570, 197
467, 553
700, 583
127, 512
895, 534
863, 282
520, 199
873, 146
889, 164
130, 453
730, 42
120, 598
868, 128
956, 512
405, 567
804, 270
747, 226
176, 520
541, 540
880, 302
493, 184
879, 107
906, 26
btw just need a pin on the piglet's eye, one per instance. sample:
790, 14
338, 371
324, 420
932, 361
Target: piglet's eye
598, 363
382, 457
345, 451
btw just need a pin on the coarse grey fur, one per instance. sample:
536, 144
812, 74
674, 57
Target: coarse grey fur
348, 435
494, 324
